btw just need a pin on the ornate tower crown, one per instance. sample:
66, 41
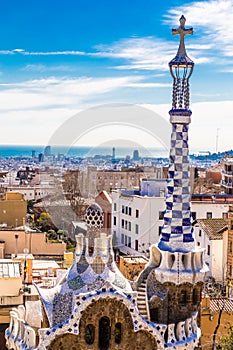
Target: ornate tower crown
181, 68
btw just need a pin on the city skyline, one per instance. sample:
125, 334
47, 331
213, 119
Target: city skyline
55, 62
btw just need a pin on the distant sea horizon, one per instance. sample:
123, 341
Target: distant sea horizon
90, 151
7, 151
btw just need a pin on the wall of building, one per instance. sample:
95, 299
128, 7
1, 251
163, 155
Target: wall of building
35, 242
215, 210
13, 210
218, 265
215, 255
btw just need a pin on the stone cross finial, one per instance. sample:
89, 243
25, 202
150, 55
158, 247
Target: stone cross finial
182, 31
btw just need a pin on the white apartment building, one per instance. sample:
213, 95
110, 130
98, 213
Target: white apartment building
137, 216
212, 234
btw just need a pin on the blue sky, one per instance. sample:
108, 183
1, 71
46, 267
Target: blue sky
60, 57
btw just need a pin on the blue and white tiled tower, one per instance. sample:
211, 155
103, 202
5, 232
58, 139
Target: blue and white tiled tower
177, 228
174, 276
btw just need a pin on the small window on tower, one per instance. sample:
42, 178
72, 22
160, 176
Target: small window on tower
183, 297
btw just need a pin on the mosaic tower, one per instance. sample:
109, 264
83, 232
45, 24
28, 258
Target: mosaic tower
177, 228
174, 276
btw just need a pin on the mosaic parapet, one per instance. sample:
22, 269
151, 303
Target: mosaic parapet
184, 335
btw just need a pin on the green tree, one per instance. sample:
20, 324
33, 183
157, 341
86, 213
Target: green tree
226, 343
44, 221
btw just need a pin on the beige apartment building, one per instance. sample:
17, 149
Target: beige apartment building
94, 181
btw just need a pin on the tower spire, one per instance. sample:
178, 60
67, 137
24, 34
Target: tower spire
181, 68
177, 231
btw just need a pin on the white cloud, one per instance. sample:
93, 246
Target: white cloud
41, 53
41, 68
148, 53
141, 53
214, 18
54, 92
32, 117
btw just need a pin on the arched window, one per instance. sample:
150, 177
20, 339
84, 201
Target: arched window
104, 333
183, 297
90, 334
118, 333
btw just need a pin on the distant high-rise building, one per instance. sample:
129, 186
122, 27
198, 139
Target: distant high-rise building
47, 151
33, 153
136, 155
40, 157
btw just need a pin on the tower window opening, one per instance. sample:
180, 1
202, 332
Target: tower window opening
184, 260
90, 334
104, 333
195, 296
118, 331
183, 297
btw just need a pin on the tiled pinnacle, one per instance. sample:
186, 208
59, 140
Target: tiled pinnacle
177, 231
